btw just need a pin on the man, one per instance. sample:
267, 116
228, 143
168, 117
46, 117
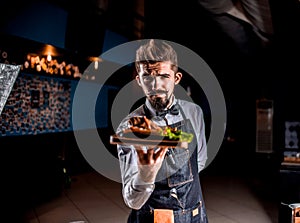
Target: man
159, 182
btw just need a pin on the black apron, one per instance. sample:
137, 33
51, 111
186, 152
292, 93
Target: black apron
178, 186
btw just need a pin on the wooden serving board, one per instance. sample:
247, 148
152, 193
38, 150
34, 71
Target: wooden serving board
121, 140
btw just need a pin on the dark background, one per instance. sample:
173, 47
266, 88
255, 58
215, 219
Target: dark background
245, 69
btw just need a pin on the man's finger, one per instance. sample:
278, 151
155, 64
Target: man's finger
141, 155
150, 155
160, 153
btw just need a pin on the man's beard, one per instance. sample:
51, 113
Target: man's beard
159, 103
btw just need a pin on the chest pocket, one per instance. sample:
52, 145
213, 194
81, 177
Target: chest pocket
178, 167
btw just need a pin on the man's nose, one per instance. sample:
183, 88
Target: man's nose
155, 82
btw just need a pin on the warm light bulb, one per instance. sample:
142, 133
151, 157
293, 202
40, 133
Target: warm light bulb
96, 65
49, 58
38, 68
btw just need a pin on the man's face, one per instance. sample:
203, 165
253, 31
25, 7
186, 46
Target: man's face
158, 81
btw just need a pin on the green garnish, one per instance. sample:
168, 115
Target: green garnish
177, 135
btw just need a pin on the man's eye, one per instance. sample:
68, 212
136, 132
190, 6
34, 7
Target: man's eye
147, 78
165, 75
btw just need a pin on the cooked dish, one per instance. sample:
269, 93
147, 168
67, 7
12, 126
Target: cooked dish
142, 127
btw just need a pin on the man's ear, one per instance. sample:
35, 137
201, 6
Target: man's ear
178, 77
137, 78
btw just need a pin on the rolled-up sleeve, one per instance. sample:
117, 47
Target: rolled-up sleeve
135, 191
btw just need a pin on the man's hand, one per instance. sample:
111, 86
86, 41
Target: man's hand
150, 161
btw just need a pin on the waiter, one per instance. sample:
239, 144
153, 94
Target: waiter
162, 184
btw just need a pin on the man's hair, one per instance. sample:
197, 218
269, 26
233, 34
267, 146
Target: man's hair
156, 51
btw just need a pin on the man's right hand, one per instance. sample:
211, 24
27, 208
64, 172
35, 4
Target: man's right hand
150, 161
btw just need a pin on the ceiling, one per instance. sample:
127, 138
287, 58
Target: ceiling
80, 25
75, 25
115, 9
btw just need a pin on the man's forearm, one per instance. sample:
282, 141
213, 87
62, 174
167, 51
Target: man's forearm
136, 193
